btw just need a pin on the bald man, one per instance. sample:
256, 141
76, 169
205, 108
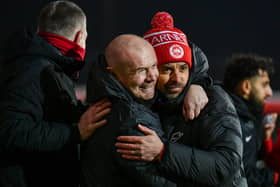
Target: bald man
133, 62
127, 76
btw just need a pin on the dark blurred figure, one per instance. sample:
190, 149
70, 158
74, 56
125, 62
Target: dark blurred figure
41, 120
247, 80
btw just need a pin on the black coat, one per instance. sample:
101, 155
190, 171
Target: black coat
38, 115
250, 117
200, 66
206, 151
101, 164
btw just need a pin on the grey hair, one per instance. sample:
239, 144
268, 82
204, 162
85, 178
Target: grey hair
62, 18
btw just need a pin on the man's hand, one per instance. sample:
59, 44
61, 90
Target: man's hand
269, 127
90, 120
145, 148
195, 100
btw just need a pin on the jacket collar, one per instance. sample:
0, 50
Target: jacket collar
26, 43
106, 85
245, 108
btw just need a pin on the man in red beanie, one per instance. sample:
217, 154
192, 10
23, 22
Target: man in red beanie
165, 37
206, 151
42, 122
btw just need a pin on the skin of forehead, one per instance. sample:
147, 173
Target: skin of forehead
126, 50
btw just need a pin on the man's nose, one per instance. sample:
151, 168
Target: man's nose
175, 77
152, 75
269, 92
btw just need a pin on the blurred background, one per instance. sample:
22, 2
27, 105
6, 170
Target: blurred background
219, 28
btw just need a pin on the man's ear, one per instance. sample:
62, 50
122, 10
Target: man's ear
78, 37
245, 88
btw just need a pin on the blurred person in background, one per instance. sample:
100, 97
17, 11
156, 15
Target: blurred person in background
247, 80
42, 122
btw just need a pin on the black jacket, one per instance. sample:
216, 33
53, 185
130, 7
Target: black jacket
200, 66
38, 115
250, 117
206, 151
101, 164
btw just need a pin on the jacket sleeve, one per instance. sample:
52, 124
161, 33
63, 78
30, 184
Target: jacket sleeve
218, 158
24, 127
200, 68
143, 173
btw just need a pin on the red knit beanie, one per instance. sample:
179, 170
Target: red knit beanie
170, 43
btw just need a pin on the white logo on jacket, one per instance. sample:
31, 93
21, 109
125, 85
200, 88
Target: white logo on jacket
248, 138
176, 136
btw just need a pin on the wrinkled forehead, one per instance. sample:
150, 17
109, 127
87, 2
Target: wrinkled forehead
142, 58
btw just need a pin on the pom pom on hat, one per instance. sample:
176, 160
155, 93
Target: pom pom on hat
170, 43
162, 20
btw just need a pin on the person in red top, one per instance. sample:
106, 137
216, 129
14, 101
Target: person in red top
272, 149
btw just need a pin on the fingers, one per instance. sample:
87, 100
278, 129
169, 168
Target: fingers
128, 151
104, 104
188, 114
131, 154
126, 146
193, 110
195, 100
145, 130
98, 124
99, 110
132, 157
197, 111
131, 139
101, 114
97, 107
92, 118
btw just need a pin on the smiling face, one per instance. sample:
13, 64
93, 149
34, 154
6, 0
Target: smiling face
134, 63
173, 77
140, 75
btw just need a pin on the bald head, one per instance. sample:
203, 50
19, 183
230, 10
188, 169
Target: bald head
133, 61
126, 48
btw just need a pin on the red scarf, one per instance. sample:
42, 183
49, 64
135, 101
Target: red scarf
65, 46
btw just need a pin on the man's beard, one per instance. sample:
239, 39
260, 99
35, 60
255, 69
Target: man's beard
256, 103
170, 94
